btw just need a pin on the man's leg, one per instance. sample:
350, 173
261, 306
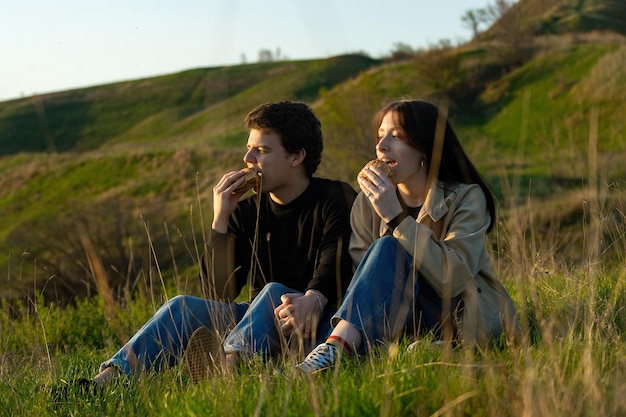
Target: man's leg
257, 332
163, 339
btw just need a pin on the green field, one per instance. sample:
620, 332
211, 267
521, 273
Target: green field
131, 165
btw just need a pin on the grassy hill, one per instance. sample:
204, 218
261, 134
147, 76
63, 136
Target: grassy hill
112, 153
569, 16
185, 104
131, 164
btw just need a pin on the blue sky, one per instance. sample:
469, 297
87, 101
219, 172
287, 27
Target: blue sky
58, 45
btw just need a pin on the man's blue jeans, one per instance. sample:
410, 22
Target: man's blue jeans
387, 296
162, 340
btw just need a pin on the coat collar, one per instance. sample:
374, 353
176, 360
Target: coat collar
438, 200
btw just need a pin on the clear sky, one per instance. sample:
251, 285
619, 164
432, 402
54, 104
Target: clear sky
48, 45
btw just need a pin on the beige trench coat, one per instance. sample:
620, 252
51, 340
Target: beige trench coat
448, 244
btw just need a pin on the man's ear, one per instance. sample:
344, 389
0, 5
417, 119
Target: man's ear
298, 157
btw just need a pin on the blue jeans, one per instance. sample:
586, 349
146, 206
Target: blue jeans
162, 340
387, 296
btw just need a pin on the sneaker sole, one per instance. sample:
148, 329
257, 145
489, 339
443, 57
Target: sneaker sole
204, 354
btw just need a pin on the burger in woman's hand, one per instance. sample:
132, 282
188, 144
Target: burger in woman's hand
384, 166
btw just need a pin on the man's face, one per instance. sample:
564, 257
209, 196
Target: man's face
267, 155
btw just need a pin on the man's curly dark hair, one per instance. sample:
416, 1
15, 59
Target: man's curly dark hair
297, 125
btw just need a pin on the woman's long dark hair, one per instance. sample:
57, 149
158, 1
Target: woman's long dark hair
419, 119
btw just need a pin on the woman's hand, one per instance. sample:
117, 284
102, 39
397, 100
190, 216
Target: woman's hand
380, 191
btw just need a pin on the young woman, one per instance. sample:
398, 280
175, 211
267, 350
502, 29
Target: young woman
419, 239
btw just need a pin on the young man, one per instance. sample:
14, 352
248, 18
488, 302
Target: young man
287, 244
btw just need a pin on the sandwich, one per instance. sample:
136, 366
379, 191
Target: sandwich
251, 181
384, 166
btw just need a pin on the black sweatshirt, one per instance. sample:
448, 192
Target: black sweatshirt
294, 244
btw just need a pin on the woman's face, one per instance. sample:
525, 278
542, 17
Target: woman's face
405, 161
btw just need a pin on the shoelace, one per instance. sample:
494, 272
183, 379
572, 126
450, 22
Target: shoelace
322, 357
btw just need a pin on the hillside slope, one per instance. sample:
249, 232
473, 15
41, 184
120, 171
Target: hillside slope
131, 165
185, 103
565, 16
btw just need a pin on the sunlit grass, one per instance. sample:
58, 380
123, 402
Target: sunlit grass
570, 362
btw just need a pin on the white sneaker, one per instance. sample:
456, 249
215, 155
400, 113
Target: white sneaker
324, 356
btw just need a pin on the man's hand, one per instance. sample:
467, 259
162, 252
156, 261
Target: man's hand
300, 313
225, 200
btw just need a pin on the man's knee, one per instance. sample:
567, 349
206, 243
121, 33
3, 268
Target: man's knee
175, 302
275, 289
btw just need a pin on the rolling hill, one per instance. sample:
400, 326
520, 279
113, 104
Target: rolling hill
132, 164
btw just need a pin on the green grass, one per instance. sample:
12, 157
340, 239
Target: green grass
571, 360
571, 363
538, 91
135, 162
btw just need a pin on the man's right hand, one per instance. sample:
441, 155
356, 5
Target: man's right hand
225, 200
300, 313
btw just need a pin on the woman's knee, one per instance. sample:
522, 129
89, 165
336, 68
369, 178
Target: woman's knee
387, 245
386, 242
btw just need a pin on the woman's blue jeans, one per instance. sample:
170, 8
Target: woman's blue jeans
387, 296
162, 340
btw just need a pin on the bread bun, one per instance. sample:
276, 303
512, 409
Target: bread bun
251, 181
384, 166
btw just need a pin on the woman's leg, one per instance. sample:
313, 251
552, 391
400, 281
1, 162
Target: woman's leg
381, 296
161, 341
436, 315
378, 304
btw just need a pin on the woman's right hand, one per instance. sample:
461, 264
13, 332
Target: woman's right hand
380, 191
